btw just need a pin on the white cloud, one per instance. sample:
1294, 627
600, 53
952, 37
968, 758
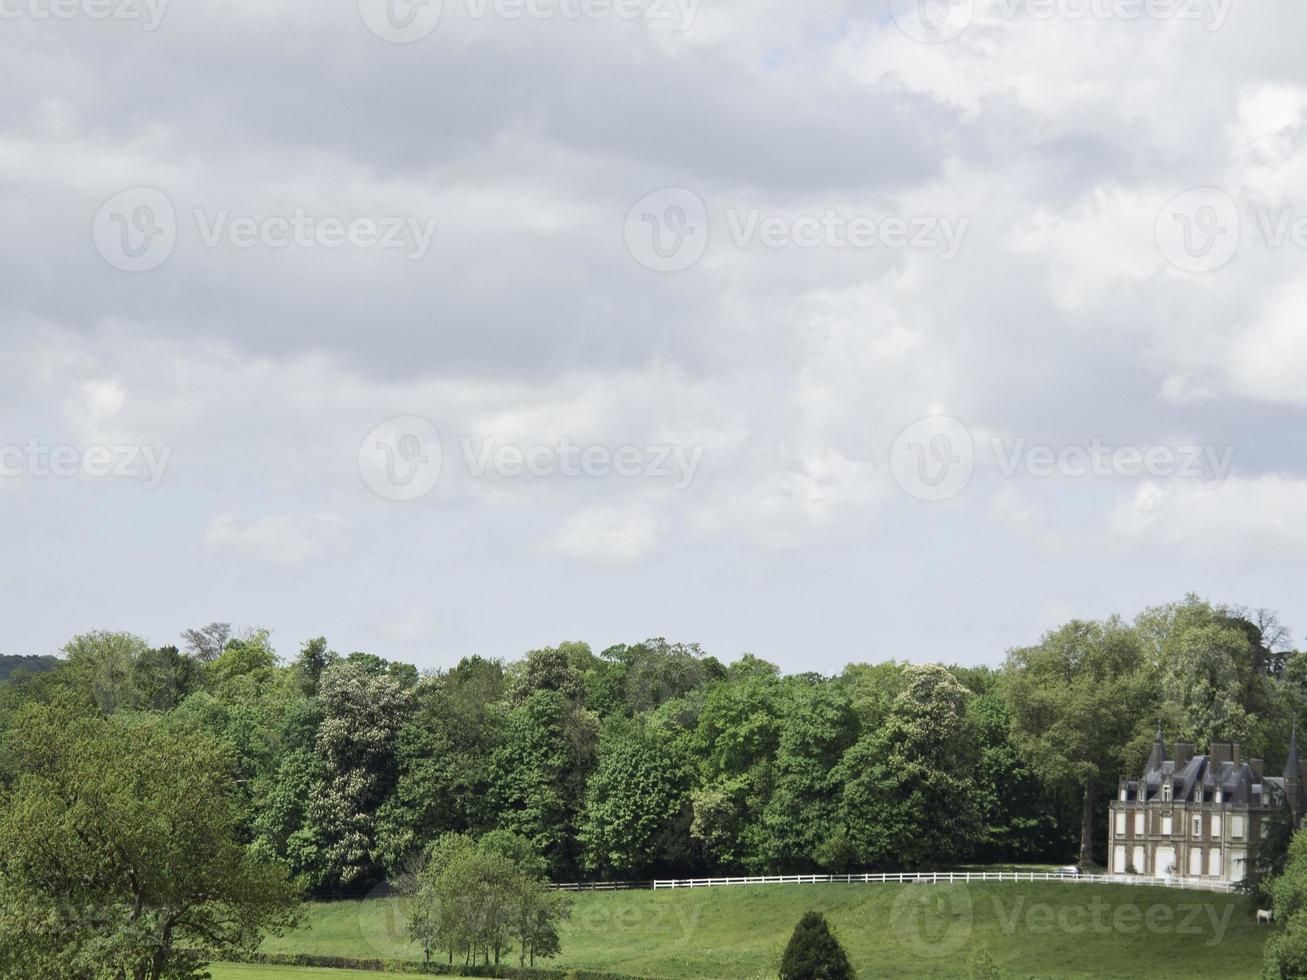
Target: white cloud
1264, 518
613, 535
282, 540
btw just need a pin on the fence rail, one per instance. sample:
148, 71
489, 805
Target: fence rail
921, 878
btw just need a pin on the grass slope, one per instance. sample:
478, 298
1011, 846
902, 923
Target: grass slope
1037, 929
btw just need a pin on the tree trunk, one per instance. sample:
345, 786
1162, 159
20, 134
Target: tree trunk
1087, 827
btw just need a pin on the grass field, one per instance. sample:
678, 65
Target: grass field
1033, 930
240, 971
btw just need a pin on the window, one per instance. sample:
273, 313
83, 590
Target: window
1120, 824
1238, 860
1216, 826
1195, 862
1198, 826
1236, 827
1219, 795
1140, 861
1139, 824
1166, 791
1214, 862
1124, 793
1166, 825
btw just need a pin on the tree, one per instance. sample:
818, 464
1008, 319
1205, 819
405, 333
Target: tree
362, 711
1285, 957
208, 642
636, 805
1076, 699
120, 854
814, 953
909, 797
817, 727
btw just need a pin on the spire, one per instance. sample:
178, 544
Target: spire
1158, 754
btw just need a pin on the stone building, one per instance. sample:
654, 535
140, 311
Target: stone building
1198, 816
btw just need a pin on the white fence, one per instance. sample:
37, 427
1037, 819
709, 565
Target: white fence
920, 878
950, 878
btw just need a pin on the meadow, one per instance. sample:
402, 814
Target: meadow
1032, 930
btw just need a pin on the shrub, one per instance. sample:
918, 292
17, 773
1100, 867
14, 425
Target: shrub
814, 953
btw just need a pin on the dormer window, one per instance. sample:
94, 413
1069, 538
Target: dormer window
1218, 795
1166, 791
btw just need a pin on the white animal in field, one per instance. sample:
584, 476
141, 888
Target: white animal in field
1264, 915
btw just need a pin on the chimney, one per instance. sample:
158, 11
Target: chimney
1184, 751
1220, 753
1259, 768
1237, 758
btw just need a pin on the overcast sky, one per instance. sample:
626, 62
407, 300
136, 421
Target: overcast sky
824, 331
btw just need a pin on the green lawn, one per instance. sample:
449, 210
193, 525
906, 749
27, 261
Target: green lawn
1042, 929
239, 971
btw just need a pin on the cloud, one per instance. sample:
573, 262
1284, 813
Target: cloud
1247, 519
283, 540
608, 536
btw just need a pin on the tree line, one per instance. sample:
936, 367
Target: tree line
341, 771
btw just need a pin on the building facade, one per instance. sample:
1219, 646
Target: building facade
1197, 816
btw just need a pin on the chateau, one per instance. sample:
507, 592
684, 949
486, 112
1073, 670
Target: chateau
1198, 816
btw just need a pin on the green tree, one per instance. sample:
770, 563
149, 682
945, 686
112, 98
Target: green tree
1285, 957
814, 953
1076, 699
636, 807
120, 854
909, 795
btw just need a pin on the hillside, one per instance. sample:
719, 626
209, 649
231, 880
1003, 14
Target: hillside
1043, 929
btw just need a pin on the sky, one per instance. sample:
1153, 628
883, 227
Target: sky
827, 332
